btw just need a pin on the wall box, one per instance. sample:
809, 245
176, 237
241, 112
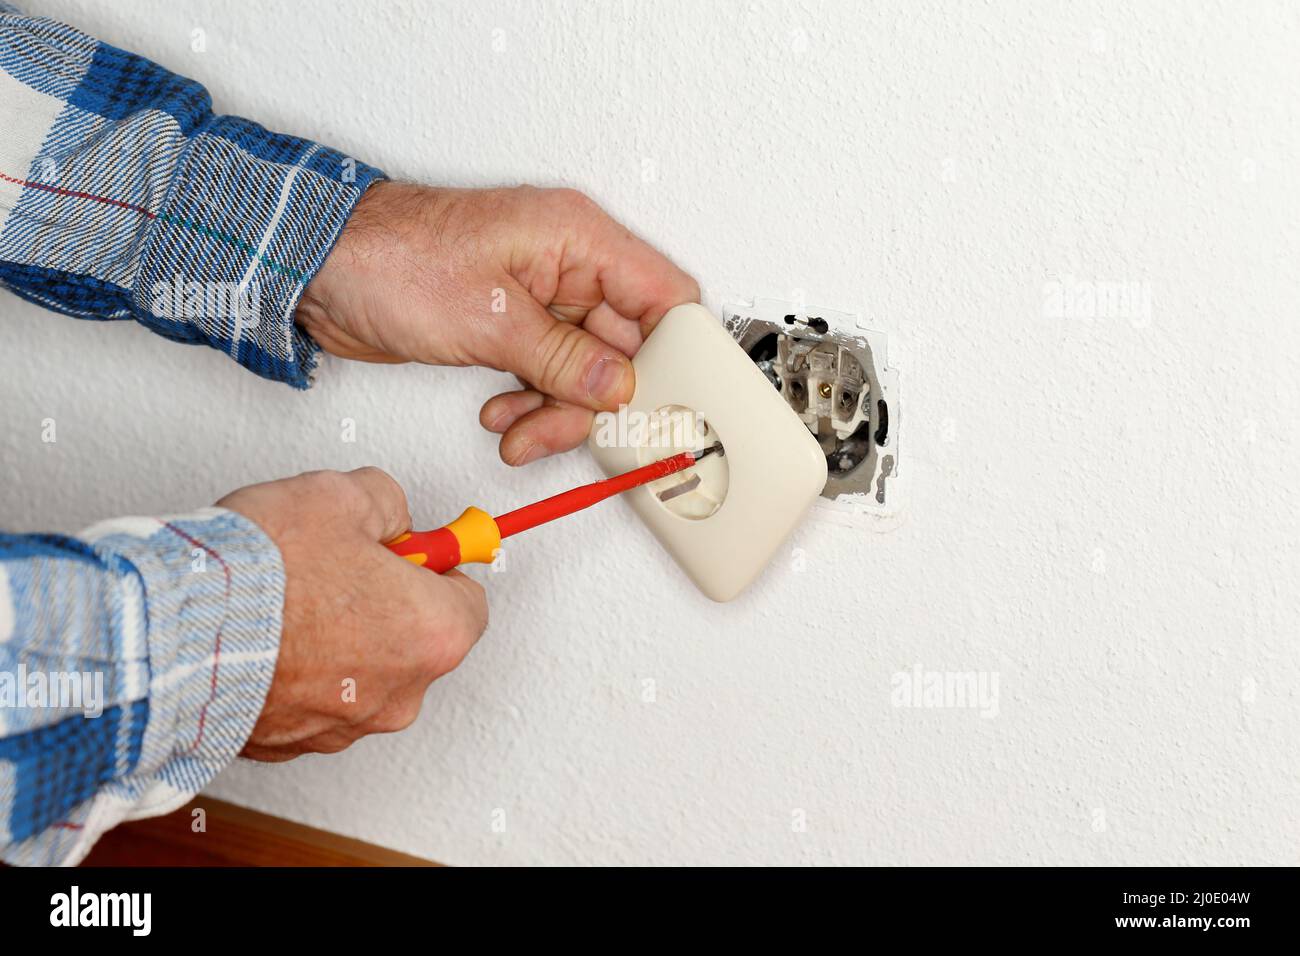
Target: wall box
833, 373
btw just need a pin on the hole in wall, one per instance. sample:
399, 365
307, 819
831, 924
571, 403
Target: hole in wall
828, 369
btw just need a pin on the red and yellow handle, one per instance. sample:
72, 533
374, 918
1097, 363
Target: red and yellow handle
471, 538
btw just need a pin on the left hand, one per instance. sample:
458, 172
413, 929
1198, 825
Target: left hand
352, 610
538, 282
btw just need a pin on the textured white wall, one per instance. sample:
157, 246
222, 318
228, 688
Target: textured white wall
1101, 509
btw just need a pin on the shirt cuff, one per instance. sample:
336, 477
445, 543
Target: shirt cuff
197, 620
213, 587
247, 222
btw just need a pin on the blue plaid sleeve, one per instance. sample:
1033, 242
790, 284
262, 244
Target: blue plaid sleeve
122, 195
134, 661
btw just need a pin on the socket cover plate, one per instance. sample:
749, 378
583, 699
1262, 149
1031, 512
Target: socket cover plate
775, 467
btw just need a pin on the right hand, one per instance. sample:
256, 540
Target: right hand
354, 611
541, 283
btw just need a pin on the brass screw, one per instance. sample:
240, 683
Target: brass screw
824, 390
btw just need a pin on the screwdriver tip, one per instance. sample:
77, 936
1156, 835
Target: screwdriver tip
716, 446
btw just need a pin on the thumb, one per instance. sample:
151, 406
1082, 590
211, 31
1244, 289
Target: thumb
567, 362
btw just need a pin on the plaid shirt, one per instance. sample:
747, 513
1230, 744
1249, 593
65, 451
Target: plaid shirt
122, 195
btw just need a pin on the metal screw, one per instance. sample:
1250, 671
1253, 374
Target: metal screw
824, 390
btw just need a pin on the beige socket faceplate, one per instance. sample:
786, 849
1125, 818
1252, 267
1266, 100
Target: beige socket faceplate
772, 472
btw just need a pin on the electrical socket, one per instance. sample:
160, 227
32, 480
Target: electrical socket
833, 373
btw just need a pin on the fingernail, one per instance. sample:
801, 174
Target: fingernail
531, 453
605, 380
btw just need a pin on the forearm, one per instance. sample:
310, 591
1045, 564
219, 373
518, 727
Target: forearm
134, 662
122, 195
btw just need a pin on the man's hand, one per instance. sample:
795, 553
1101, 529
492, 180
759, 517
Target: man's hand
353, 611
537, 282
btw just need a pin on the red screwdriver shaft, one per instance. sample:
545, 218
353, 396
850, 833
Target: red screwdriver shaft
566, 503
476, 536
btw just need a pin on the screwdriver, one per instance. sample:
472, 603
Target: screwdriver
475, 537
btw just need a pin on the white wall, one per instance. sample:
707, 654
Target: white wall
1101, 510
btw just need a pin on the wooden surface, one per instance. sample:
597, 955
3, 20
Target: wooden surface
235, 836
